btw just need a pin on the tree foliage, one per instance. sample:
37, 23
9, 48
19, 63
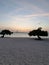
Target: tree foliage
5, 32
38, 33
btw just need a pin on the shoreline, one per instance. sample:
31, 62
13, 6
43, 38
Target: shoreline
33, 38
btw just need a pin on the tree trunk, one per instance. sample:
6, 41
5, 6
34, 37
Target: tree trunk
39, 38
2, 36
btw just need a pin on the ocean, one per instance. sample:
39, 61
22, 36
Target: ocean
21, 34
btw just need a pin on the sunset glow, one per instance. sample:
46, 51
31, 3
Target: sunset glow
24, 15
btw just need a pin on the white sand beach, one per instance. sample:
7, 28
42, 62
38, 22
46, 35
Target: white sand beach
24, 51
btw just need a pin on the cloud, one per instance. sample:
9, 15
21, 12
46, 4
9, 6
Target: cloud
22, 5
29, 6
38, 14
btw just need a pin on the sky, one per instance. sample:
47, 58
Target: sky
24, 15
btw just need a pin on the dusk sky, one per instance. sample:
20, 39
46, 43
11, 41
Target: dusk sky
24, 15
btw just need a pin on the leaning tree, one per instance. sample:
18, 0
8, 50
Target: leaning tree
5, 32
38, 32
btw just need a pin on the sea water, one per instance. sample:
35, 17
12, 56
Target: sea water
22, 34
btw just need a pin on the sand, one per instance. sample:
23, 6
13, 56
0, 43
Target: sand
24, 51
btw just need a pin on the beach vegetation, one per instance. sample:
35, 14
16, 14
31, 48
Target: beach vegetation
5, 32
38, 32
